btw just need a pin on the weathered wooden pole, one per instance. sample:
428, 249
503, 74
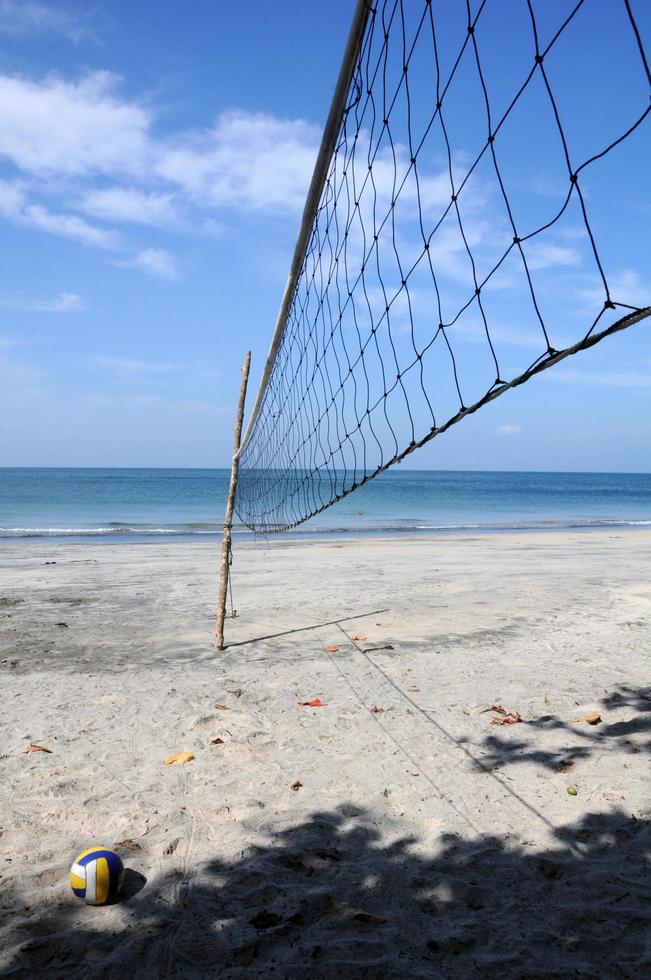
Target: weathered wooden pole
230, 503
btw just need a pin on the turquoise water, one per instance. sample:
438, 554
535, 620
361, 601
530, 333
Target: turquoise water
148, 504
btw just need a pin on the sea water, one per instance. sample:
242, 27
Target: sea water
153, 504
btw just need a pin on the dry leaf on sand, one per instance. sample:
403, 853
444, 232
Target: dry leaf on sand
128, 844
495, 707
314, 703
217, 741
376, 710
359, 637
296, 785
33, 747
179, 757
221, 707
510, 719
564, 765
331, 649
591, 720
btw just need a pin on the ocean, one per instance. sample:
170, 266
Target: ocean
182, 504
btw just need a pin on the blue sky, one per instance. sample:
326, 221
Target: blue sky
154, 159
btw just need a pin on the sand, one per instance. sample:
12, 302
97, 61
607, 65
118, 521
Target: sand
422, 841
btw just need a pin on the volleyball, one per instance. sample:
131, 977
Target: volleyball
96, 875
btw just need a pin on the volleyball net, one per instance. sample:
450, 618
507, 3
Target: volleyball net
473, 219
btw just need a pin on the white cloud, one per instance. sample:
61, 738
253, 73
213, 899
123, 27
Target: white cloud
23, 17
157, 373
83, 129
129, 365
474, 331
154, 261
626, 286
69, 226
508, 430
63, 303
12, 198
14, 205
250, 161
72, 128
546, 255
127, 204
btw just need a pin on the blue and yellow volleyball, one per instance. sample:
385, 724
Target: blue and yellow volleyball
96, 876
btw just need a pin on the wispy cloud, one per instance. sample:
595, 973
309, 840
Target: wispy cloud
626, 286
250, 161
546, 255
63, 303
129, 365
64, 136
53, 126
25, 17
508, 430
156, 262
14, 204
127, 204
69, 226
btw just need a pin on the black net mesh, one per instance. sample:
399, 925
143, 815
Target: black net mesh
463, 238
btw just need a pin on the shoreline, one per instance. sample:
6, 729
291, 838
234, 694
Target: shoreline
324, 534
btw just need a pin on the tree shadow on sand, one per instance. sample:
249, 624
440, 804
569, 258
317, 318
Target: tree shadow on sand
623, 736
330, 898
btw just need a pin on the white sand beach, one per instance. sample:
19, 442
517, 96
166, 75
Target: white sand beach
393, 832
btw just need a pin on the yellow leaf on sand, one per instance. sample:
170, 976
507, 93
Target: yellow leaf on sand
591, 719
359, 638
179, 757
33, 747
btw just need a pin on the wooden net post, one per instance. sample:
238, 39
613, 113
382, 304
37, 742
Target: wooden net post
230, 503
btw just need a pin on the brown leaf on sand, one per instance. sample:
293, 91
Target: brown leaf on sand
221, 707
33, 747
564, 765
331, 649
376, 710
179, 757
128, 844
216, 741
546, 700
591, 720
314, 703
495, 707
508, 719
296, 785
359, 638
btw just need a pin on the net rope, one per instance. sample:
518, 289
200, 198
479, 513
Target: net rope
435, 228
